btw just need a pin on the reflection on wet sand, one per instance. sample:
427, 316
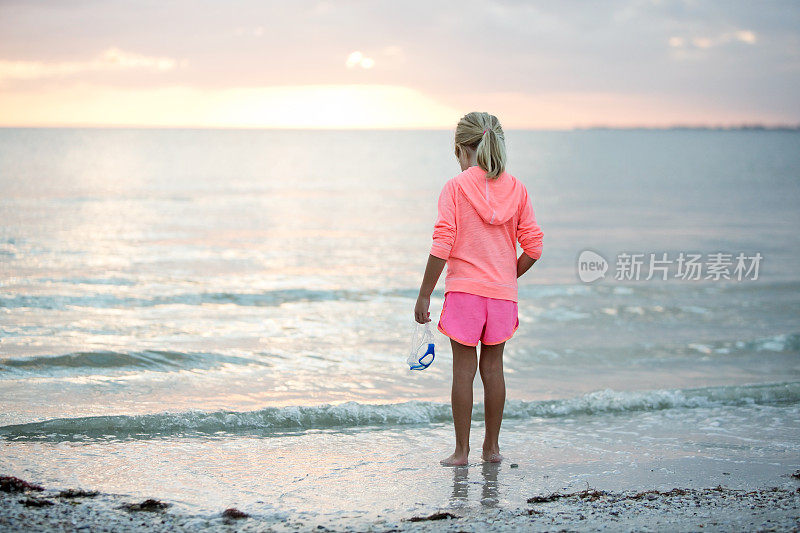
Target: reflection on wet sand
490, 487
489, 498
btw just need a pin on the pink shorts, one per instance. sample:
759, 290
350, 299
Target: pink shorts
468, 318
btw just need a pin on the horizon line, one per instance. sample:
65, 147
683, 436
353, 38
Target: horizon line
677, 126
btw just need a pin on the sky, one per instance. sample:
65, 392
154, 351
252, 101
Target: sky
387, 64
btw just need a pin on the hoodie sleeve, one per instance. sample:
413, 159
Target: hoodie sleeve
529, 234
444, 231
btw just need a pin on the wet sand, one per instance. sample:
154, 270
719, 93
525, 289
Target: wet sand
31, 507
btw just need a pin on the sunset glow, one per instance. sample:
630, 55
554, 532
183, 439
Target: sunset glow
326, 65
320, 106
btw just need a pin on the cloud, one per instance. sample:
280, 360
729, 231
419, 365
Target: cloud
703, 42
357, 59
111, 59
700, 53
746, 36
676, 42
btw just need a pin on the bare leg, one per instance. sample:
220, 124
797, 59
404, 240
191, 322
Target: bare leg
494, 398
465, 364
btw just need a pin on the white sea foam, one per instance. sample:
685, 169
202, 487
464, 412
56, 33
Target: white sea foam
783, 343
354, 414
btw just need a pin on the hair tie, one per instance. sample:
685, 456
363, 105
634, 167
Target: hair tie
484, 132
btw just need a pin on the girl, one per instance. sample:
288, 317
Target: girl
483, 212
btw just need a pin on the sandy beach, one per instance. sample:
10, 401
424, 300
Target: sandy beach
27, 506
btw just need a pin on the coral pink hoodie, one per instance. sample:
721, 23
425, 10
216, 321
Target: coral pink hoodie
479, 223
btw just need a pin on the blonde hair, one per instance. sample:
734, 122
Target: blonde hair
482, 132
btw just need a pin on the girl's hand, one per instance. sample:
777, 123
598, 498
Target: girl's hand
421, 313
432, 272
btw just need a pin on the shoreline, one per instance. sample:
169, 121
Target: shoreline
26, 506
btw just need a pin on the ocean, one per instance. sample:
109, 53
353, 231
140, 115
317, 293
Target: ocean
222, 318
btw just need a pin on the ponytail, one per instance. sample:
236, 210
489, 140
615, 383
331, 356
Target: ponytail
483, 133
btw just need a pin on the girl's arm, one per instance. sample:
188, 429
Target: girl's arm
444, 230
444, 235
524, 263
529, 235
432, 272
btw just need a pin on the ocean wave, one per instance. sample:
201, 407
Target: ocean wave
92, 362
115, 281
246, 299
648, 301
783, 343
161, 360
250, 299
352, 414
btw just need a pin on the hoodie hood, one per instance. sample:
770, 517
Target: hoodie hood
495, 200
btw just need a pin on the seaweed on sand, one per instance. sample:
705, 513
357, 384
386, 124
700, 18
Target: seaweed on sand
15, 484
147, 505
434, 516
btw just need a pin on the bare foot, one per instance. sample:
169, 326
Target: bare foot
455, 460
490, 457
